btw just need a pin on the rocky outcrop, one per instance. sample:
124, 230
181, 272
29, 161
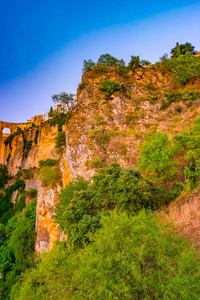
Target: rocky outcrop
44, 149
102, 129
46, 228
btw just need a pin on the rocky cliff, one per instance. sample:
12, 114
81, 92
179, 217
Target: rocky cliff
102, 129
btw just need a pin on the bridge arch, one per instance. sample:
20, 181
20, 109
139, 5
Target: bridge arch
6, 129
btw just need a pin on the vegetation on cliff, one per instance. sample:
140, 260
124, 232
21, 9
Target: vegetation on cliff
118, 246
130, 257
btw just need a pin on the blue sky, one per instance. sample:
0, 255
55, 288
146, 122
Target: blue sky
44, 43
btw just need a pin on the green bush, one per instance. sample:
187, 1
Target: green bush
97, 162
184, 68
49, 173
17, 250
122, 70
48, 162
156, 160
60, 119
109, 87
28, 174
101, 136
77, 213
188, 94
187, 147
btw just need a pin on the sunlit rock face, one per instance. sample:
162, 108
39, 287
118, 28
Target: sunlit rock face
46, 228
99, 130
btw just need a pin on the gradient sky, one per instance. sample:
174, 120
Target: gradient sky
43, 43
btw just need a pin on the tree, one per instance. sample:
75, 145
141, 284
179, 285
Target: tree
51, 112
182, 49
63, 97
108, 60
88, 65
156, 160
134, 62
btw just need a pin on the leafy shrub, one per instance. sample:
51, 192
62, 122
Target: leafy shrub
19, 206
17, 249
187, 145
156, 160
184, 68
101, 69
60, 120
101, 136
122, 70
48, 162
28, 174
189, 95
60, 143
113, 187
109, 87
97, 162
49, 173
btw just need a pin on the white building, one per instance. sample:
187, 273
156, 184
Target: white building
62, 107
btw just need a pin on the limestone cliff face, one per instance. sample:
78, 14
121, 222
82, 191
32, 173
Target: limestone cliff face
47, 230
44, 149
98, 132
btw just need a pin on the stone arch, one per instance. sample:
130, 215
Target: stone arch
6, 129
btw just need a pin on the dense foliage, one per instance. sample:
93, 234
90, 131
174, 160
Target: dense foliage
77, 213
3, 175
172, 164
130, 257
17, 248
182, 49
184, 68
